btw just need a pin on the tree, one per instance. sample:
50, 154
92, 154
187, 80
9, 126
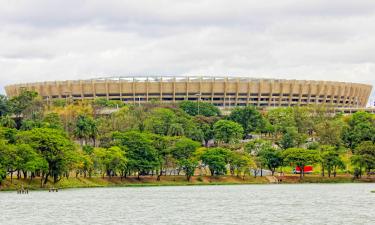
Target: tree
141, 154
199, 108
361, 127
54, 146
183, 151
24, 101
227, 131
206, 125
85, 128
29, 160
329, 159
364, 156
216, 159
300, 157
5, 107
291, 138
52, 120
7, 121
329, 132
261, 149
280, 118
114, 160
240, 162
249, 118
270, 157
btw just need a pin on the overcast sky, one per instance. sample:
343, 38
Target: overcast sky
291, 39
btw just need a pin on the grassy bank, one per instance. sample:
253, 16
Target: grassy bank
290, 179
81, 182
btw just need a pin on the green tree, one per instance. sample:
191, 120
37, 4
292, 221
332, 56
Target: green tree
270, 157
199, 108
27, 104
249, 118
140, 152
300, 157
291, 138
52, 120
5, 107
54, 146
361, 127
206, 125
7, 121
364, 156
330, 160
29, 160
227, 131
329, 132
240, 162
183, 151
217, 160
85, 127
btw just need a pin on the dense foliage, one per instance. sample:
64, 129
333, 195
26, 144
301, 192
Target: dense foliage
61, 138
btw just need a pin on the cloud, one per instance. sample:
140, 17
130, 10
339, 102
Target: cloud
59, 40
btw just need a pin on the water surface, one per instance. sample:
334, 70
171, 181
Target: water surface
242, 204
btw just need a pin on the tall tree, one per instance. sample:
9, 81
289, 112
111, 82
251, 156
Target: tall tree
249, 118
227, 131
54, 146
183, 151
361, 127
217, 160
300, 157
199, 108
141, 154
364, 155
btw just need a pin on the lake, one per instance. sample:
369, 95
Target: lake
232, 204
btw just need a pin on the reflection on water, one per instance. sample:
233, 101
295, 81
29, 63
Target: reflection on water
245, 204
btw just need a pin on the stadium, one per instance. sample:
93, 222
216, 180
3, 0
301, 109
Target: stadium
221, 91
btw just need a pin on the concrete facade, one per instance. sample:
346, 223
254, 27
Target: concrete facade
221, 91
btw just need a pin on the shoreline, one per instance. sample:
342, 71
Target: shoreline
149, 181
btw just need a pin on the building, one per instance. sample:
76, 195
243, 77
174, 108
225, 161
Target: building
221, 91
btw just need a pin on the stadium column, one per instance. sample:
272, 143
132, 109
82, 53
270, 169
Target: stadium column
309, 93
106, 89
332, 93
81, 87
120, 88
212, 89
70, 90
225, 91
325, 90
161, 89
237, 89
291, 87
93, 91
248, 92
174, 90
187, 88
59, 89
300, 87
259, 92
147, 88
281, 91
200, 89
133, 90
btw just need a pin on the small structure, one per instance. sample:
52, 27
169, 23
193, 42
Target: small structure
306, 170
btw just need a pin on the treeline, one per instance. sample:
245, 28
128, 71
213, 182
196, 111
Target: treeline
60, 138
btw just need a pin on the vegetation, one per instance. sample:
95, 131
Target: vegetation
58, 141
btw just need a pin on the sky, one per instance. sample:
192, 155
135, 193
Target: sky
43, 40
